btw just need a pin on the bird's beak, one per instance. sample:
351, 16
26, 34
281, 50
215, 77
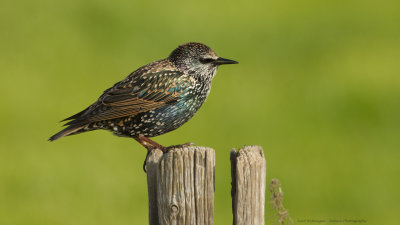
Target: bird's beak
221, 61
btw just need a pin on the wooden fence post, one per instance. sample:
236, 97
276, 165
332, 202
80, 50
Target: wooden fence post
181, 186
248, 185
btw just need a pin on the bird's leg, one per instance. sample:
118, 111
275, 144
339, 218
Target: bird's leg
151, 142
149, 145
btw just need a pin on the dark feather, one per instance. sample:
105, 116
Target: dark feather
139, 94
67, 131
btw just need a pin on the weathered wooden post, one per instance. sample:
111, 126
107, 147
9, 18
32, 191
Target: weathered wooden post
181, 186
248, 185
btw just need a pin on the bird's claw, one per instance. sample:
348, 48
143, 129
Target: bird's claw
169, 148
188, 144
147, 156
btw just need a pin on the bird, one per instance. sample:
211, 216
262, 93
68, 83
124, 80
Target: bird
154, 99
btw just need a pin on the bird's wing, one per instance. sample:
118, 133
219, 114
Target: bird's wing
141, 93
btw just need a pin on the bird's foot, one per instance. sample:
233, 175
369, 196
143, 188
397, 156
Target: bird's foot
188, 144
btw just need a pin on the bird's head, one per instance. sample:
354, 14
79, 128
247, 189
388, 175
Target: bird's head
197, 59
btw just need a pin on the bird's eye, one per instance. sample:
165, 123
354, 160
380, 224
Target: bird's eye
206, 60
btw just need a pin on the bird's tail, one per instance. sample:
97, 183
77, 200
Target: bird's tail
73, 129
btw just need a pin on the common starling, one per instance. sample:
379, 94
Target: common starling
153, 100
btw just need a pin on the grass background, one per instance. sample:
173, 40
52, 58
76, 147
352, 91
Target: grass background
317, 86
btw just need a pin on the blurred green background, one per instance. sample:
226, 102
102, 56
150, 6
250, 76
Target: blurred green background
318, 87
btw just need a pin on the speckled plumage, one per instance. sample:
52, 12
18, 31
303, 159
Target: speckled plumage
154, 99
